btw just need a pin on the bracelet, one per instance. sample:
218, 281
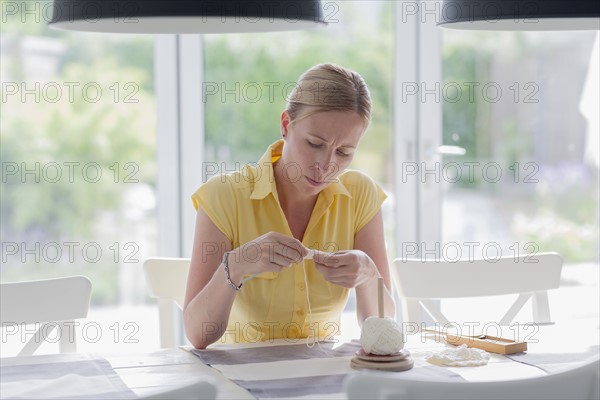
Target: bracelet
227, 277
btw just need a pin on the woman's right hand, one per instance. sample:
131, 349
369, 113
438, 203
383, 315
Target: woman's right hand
271, 252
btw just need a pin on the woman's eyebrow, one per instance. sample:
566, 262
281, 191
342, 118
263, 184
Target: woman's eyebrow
319, 137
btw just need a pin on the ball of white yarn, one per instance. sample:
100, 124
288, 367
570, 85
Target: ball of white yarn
381, 336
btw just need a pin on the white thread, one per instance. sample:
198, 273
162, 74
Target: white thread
381, 336
310, 344
309, 309
250, 277
309, 255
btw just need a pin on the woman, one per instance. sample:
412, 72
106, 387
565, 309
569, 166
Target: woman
248, 278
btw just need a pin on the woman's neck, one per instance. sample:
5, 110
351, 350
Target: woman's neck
290, 197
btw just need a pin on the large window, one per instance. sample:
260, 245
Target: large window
516, 104
78, 168
519, 171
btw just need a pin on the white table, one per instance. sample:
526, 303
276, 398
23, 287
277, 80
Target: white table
161, 369
147, 372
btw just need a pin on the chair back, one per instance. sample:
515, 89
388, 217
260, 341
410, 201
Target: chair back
530, 276
50, 303
578, 383
167, 278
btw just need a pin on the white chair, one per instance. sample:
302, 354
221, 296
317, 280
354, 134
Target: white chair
531, 276
579, 383
53, 303
167, 278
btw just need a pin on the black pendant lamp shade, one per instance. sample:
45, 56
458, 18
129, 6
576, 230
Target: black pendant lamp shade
520, 15
186, 16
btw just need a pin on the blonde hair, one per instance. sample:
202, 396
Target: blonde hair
329, 87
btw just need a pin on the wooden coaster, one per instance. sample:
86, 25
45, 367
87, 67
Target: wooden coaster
401, 355
395, 366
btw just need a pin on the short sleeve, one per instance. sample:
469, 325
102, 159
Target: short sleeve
217, 199
367, 197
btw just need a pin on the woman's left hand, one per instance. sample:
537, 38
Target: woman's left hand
347, 268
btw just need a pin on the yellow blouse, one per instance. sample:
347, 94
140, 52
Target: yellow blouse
244, 205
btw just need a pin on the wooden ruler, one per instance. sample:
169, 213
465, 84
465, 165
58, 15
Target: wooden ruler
492, 344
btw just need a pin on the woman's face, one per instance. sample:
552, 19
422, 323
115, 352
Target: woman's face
318, 148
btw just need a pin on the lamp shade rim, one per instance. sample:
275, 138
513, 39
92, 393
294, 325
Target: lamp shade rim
537, 24
184, 25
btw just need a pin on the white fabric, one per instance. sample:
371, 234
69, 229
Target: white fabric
461, 356
260, 371
381, 336
60, 376
62, 387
